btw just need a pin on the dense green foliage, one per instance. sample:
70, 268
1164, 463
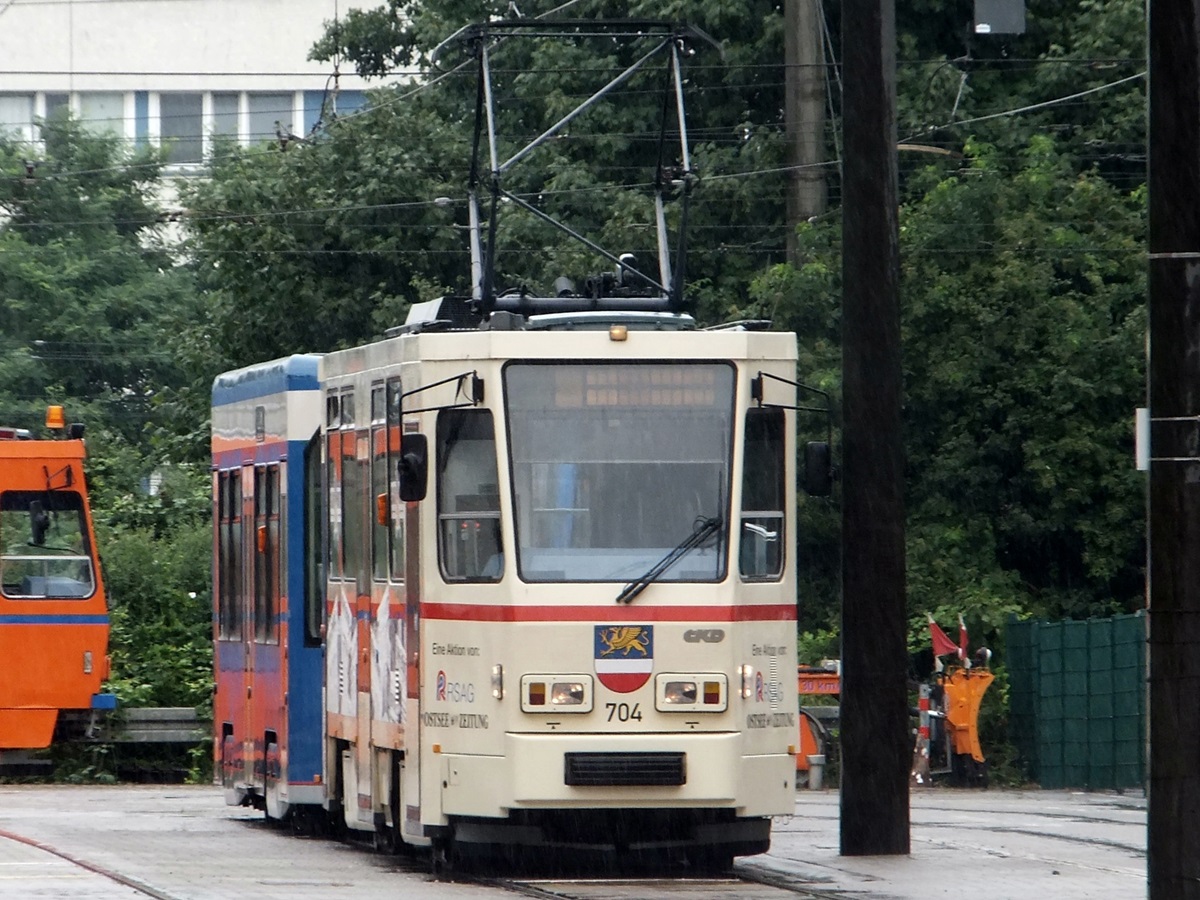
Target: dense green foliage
1023, 228
1021, 494
92, 301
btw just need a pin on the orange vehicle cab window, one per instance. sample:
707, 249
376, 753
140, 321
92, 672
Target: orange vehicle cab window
44, 547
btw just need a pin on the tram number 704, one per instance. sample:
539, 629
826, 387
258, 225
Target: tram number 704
624, 712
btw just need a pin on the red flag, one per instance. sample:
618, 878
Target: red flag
962, 638
942, 645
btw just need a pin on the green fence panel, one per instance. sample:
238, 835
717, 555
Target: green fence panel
1078, 700
1021, 652
1051, 716
1129, 700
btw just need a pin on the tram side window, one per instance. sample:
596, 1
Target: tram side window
393, 483
333, 486
229, 543
314, 568
44, 546
266, 554
762, 534
468, 496
380, 551
353, 497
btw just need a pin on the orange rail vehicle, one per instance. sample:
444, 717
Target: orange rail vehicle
53, 615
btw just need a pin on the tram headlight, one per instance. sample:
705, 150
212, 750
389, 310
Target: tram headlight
679, 692
556, 693
567, 693
676, 692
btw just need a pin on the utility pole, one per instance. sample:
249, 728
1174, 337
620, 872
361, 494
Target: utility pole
804, 115
876, 739
1174, 527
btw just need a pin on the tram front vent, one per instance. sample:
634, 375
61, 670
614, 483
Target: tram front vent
625, 769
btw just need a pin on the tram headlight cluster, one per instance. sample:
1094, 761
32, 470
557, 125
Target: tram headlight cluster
556, 693
691, 693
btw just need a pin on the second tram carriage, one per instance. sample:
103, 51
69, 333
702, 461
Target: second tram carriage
544, 561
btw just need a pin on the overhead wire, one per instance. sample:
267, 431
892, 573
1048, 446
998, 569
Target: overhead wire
832, 71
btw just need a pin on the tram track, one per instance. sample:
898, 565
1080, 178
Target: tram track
133, 884
132, 844
734, 886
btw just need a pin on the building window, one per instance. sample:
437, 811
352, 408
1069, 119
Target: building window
57, 106
180, 117
225, 115
102, 112
269, 113
16, 116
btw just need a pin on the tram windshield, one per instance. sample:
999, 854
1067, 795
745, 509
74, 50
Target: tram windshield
613, 466
44, 548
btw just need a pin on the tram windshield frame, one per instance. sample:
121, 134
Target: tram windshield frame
613, 463
45, 550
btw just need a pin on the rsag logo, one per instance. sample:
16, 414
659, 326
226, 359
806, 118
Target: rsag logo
453, 691
758, 687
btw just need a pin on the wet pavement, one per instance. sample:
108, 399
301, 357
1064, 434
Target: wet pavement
182, 843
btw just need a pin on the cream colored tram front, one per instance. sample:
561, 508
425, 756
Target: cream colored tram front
595, 597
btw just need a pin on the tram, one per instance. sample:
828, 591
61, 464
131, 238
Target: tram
53, 614
523, 583
561, 607
266, 633
518, 576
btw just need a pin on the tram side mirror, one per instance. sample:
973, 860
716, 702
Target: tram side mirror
818, 469
39, 522
413, 467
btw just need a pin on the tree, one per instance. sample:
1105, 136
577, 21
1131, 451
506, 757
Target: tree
92, 302
89, 287
1021, 284
325, 244
330, 241
1023, 326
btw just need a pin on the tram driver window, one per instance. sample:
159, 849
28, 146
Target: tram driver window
44, 548
468, 496
762, 536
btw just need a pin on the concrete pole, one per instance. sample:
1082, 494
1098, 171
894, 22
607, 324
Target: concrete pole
804, 114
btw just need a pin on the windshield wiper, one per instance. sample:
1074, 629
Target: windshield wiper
705, 528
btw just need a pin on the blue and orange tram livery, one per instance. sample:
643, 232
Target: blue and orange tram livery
524, 580
54, 623
267, 727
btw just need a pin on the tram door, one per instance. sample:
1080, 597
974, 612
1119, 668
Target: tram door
248, 619
411, 789
265, 670
235, 488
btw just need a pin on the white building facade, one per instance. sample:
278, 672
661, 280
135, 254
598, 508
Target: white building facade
172, 72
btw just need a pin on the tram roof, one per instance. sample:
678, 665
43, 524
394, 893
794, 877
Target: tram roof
298, 372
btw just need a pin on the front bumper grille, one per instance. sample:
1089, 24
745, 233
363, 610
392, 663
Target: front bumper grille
625, 769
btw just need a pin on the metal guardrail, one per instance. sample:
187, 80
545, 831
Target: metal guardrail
162, 725
153, 725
